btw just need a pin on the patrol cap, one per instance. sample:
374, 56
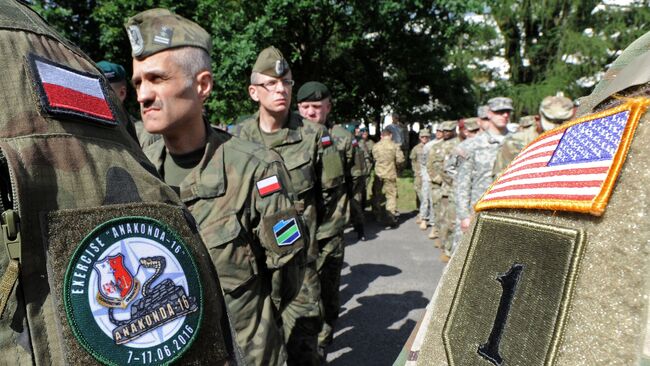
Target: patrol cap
424, 133
448, 125
556, 109
481, 112
471, 124
500, 104
527, 121
156, 30
113, 72
271, 62
312, 91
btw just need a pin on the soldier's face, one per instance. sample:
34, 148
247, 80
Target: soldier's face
276, 99
499, 118
315, 111
424, 139
168, 97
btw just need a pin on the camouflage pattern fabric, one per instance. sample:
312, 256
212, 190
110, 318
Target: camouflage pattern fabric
512, 146
316, 173
443, 182
475, 171
426, 206
415, 157
56, 165
452, 163
259, 275
388, 159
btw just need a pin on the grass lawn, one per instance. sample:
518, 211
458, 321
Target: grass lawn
405, 191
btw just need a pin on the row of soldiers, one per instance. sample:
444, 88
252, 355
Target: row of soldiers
453, 170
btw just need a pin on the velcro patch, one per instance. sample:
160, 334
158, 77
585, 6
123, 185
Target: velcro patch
570, 168
326, 141
268, 185
286, 232
66, 92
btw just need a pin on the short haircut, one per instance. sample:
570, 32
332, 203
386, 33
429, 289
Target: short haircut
254, 77
192, 60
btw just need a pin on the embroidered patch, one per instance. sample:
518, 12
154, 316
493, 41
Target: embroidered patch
286, 232
326, 141
268, 185
132, 293
67, 92
164, 36
570, 168
135, 37
355, 143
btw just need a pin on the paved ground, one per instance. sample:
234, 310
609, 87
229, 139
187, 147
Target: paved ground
386, 283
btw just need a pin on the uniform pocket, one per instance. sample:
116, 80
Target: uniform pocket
301, 172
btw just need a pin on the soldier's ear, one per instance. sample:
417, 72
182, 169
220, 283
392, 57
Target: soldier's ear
204, 84
252, 91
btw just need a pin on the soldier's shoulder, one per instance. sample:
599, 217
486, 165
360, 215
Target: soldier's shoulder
245, 125
251, 152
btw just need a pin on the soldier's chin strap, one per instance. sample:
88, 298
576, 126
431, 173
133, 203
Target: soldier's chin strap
10, 237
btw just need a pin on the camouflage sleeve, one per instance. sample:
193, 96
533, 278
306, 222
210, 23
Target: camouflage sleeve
399, 158
331, 217
451, 164
359, 167
280, 231
434, 165
464, 187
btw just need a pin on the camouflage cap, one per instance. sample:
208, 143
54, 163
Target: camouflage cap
556, 109
471, 124
156, 30
481, 112
527, 121
500, 104
113, 72
448, 125
424, 133
271, 62
312, 91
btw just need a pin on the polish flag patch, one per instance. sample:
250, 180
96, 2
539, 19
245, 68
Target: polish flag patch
355, 143
326, 141
67, 92
268, 185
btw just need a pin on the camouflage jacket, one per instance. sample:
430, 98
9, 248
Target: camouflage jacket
96, 225
388, 159
416, 157
238, 194
512, 146
438, 155
425, 154
475, 171
315, 170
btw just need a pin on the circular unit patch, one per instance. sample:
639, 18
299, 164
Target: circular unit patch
132, 293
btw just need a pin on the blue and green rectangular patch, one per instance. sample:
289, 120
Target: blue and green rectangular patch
286, 232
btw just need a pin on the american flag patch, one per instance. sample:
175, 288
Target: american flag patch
570, 168
326, 141
268, 185
71, 93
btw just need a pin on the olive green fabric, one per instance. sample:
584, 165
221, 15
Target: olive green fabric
52, 165
259, 276
271, 62
606, 317
312, 91
156, 30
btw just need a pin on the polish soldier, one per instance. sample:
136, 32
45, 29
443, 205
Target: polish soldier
316, 174
537, 277
238, 192
100, 261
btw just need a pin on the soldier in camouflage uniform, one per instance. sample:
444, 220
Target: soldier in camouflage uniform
315, 105
561, 256
237, 191
477, 159
388, 160
365, 144
435, 188
87, 226
417, 158
426, 207
443, 182
316, 173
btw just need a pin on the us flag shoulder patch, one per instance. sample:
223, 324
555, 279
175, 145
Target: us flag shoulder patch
570, 168
66, 92
326, 141
268, 185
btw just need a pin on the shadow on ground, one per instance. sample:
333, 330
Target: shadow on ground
372, 228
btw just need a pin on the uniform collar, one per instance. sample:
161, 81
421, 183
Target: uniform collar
290, 130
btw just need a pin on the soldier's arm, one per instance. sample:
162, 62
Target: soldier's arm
280, 232
330, 171
399, 158
463, 187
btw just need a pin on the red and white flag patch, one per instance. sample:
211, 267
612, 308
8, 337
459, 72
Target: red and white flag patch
326, 141
268, 185
67, 92
355, 143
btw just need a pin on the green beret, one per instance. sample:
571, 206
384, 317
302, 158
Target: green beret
157, 30
271, 62
312, 91
113, 72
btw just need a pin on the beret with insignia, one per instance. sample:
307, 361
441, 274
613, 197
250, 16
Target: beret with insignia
113, 72
312, 91
271, 62
500, 104
156, 30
